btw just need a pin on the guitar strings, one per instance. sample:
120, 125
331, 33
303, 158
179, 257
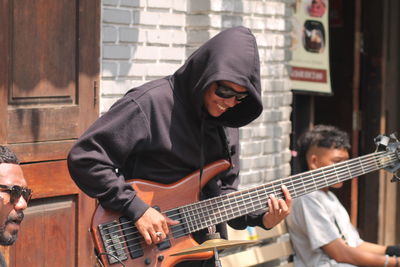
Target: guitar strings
140, 249
184, 234
295, 194
278, 182
337, 172
257, 206
243, 200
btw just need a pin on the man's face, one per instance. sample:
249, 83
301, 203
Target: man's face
216, 105
11, 212
318, 157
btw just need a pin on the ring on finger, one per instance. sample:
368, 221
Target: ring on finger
159, 234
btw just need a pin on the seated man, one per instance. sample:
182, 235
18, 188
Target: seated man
319, 226
14, 197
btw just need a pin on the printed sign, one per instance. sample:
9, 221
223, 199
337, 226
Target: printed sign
309, 70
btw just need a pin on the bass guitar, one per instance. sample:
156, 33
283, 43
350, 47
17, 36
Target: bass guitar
118, 242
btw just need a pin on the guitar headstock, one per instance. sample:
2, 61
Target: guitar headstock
391, 144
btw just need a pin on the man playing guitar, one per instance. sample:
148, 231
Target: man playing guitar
168, 128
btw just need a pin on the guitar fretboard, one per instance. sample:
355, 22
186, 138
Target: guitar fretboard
220, 209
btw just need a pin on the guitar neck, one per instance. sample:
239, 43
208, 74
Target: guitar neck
220, 209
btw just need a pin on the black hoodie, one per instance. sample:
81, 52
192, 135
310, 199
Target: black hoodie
160, 131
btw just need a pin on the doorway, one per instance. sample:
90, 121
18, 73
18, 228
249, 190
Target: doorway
48, 93
364, 63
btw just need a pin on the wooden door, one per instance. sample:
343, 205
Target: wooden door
49, 71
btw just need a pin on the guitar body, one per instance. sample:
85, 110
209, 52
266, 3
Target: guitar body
163, 197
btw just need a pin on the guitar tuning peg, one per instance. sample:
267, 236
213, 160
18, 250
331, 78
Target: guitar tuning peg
395, 177
212, 229
381, 141
377, 139
394, 136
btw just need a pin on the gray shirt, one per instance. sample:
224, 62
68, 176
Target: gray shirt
316, 220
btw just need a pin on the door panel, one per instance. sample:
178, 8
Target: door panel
42, 124
48, 96
43, 151
49, 225
44, 35
49, 179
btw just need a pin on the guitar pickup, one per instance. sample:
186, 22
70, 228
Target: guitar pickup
112, 241
178, 230
164, 245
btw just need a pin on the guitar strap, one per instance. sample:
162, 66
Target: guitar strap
212, 189
223, 134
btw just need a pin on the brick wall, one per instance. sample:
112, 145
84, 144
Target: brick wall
144, 40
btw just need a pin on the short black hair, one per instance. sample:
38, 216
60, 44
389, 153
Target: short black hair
8, 156
326, 136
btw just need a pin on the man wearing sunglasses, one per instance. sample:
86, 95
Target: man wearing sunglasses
14, 197
166, 129
223, 95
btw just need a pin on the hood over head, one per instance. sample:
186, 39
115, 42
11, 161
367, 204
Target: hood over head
231, 55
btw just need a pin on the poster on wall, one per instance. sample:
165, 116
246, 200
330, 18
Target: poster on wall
309, 67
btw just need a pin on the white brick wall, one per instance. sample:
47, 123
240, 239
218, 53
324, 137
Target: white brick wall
147, 39
141, 40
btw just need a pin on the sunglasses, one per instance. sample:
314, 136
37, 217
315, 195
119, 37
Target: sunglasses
227, 92
16, 192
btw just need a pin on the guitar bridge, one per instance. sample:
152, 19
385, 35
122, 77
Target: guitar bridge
112, 241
